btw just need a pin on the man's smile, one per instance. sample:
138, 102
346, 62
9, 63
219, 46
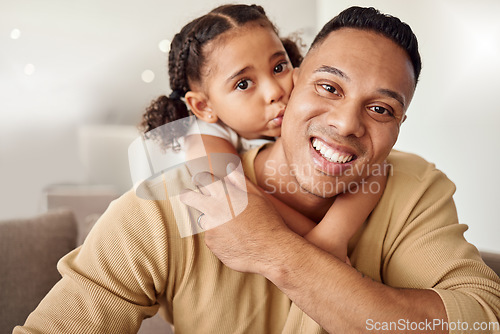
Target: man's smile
331, 154
329, 158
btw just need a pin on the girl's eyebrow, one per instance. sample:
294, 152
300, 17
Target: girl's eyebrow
243, 70
278, 54
275, 55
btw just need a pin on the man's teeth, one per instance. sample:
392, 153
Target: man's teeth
330, 154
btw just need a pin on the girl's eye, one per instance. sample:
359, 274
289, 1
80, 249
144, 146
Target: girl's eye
280, 67
243, 84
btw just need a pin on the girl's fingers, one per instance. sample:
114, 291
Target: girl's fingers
205, 182
193, 199
220, 200
213, 200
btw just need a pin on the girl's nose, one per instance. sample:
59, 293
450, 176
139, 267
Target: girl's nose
274, 92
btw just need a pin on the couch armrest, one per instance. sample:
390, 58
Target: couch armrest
30, 249
492, 260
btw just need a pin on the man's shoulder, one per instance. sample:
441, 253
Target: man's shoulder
154, 197
248, 161
411, 171
410, 165
130, 206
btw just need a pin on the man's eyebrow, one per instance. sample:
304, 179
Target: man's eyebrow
387, 92
392, 94
332, 70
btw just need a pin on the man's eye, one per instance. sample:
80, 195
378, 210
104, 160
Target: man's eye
280, 67
329, 88
380, 110
243, 84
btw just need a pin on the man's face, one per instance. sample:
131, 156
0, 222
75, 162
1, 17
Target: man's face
348, 103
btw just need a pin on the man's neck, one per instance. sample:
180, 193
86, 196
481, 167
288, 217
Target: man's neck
273, 175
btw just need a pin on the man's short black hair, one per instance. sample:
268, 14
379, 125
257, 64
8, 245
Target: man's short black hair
371, 19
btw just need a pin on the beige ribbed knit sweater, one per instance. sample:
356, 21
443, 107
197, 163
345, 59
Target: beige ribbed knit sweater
134, 260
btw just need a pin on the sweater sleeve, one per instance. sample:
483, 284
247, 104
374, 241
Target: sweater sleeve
110, 284
425, 248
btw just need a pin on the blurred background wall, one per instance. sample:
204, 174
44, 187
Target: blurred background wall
75, 77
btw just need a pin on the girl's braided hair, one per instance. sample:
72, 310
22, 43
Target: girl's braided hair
186, 61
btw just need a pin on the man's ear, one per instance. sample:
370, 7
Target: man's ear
198, 103
404, 119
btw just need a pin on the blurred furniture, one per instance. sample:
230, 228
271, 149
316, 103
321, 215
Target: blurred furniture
87, 202
103, 150
492, 260
30, 249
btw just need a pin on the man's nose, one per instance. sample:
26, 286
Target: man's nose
347, 119
274, 91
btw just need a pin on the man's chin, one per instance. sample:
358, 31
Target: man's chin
321, 187
331, 186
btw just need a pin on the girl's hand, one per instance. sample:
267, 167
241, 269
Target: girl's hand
243, 241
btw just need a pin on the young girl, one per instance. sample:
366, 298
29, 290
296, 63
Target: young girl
233, 71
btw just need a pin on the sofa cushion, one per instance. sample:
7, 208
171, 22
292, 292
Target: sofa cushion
492, 260
30, 249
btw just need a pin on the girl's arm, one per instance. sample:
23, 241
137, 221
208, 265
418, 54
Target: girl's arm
346, 215
297, 222
211, 144
199, 150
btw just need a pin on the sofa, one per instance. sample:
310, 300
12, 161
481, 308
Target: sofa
30, 249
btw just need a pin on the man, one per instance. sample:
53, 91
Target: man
351, 94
